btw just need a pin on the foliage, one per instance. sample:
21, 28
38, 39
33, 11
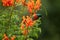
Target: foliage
13, 13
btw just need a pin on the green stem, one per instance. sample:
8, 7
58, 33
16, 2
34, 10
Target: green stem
9, 21
10, 16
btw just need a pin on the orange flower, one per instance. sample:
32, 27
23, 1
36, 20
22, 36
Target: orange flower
5, 37
22, 26
23, 2
26, 25
25, 32
29, 21
38, 4
18, 1
30, 10
8, 2
24, 19
13, 38
30, 6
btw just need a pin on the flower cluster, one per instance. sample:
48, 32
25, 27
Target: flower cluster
7, 38
30, 5
37, 5
8, 2
28, 22
17, 1
33, 5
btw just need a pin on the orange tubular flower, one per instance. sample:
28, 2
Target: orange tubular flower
38, 4
22, 26
24, 19
5, 37
18, 1
25, 32
30, 6
8, 2
29, 21
13, 38
23, 2
30, 10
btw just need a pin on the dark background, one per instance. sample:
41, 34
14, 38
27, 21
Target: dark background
51, 22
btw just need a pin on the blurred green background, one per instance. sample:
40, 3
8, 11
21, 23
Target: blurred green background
51, 23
